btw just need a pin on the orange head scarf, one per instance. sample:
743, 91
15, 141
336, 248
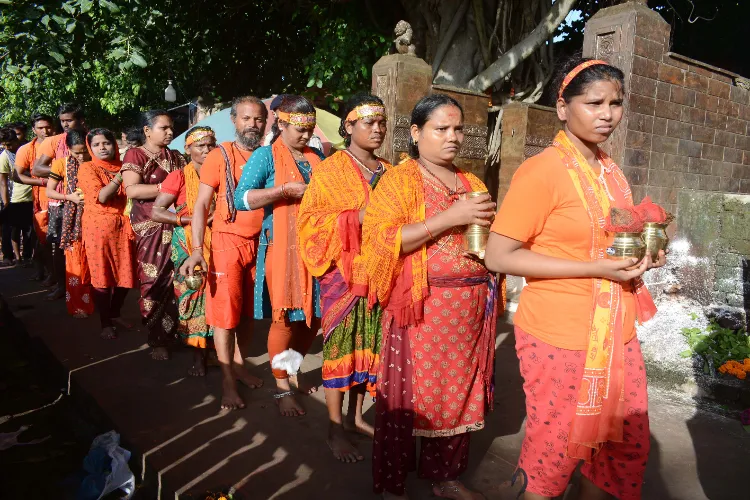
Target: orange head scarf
112, 166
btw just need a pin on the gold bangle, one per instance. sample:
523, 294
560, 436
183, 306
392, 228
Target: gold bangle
283, 191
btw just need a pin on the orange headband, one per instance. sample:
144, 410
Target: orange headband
570, 76
365, 111
304, 120
198, 135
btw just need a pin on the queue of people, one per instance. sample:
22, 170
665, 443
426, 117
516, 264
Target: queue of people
370, 256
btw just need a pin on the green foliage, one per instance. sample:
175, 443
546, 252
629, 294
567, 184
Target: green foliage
346, 46
717, 344
115, 56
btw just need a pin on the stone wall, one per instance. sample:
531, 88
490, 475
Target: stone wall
717, 226
686, 124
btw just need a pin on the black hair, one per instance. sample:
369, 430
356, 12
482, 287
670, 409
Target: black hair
423, 111
71, 108
291, 104
353, 102
7, 134
582, 80
19, 125
39, 117
101, 131
248, 99
135, 136
75, 137
147, 119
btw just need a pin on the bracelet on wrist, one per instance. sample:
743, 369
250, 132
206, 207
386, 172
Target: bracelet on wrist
424, 223
178, 220
283, 191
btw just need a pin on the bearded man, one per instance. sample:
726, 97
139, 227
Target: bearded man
234, 245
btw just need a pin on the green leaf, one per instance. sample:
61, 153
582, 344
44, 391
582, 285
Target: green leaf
86, 5
70, 27
86, 65
57, 57
311, 82
138, 59
319, 83
686, 353
45, 20
109, 6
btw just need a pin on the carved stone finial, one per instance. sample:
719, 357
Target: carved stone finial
404, 35
743, 83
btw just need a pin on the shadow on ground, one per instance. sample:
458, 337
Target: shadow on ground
184, 445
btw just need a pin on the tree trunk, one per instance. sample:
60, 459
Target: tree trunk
525, 48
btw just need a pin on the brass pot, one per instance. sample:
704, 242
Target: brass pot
655, 237
195, 281
475, 236
627, 246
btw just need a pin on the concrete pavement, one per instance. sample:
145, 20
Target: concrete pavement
183, 444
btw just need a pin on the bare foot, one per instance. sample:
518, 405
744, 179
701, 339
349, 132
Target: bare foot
244, 376
199, 364
289, 407
121, 323
455, 490
343, 450
50, 281
301, 385
160, 354
80, 315
230, 398
359, 426
108, 333
212, 360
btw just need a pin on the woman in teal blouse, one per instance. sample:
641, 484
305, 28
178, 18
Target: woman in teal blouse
275, 179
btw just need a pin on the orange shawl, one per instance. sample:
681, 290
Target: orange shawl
328, 220
296, 291
397, 281
192, 181
600, 409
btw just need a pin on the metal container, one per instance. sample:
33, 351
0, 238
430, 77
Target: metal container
195, 281
627, 246
655, 237
475, 236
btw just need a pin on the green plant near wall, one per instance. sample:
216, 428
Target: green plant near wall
716, 344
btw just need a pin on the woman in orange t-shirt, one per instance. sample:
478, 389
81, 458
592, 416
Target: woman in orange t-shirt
583, 371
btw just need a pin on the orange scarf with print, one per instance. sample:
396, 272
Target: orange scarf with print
600, 410
328, 221
399, 282
296, 289
192, 181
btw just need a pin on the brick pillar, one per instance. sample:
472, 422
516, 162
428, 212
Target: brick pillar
635, 39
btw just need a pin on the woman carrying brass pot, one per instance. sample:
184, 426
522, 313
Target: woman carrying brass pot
583, 371
439, 308
180, 189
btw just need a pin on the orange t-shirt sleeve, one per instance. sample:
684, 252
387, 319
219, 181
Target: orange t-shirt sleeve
212, 169
47, 148
23, 157
173, 183
528, 203
58, 167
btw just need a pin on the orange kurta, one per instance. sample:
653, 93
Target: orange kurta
107, 235
25, 157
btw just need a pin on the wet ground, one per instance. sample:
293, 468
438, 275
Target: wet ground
184, 445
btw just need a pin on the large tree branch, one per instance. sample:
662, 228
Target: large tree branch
526, 47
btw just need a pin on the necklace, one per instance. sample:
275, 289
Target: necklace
451, 192
240, 150
149, 151
362, 164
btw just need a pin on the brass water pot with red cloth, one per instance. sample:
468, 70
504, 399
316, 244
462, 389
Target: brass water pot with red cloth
627, 246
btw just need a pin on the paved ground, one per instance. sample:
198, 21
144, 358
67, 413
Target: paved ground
174, 426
